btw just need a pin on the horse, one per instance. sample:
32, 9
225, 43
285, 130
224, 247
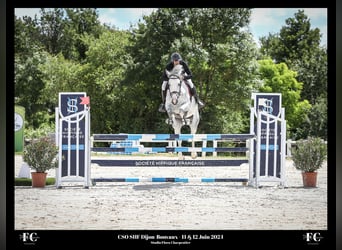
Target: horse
181, 108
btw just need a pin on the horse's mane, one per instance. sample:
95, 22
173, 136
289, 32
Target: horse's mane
177, 70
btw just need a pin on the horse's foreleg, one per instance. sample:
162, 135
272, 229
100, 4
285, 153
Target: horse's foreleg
180, 154
193, 154
182, 115
173, 118
193, 131
177, 128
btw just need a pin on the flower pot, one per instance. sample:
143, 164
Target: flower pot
309, 179
38, 179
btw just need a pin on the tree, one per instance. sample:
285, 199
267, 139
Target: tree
121, 70
277, 78
28, 86
298, 46
61, 30
102, 75
315, 124
222, 58
79, 23
44, 48
51, 25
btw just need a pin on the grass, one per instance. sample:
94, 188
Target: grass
28, 181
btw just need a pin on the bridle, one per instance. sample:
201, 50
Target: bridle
177, 93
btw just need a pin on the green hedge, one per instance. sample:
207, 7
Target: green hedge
28, 181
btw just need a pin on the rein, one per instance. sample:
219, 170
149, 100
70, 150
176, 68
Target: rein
178, 93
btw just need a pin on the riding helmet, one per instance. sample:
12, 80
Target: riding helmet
176, 57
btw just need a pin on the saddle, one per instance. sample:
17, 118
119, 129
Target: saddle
189, 89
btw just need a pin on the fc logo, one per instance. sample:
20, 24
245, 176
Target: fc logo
29, 237
312, 237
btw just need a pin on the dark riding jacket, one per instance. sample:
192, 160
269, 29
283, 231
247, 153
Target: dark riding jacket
170, 66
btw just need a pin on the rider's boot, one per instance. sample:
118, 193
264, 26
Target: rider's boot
162, 105
194, 93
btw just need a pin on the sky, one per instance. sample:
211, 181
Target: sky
263, 20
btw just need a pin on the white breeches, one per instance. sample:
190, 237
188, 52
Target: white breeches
164, 85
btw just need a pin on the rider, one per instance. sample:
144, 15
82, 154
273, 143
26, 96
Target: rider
177, 59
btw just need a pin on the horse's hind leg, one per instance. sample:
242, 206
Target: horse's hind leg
193, 128
193, 154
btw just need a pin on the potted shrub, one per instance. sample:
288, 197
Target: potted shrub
309, 156
41, 155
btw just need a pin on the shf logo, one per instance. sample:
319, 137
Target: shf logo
312, 237
72, 105
266, 105
29, 237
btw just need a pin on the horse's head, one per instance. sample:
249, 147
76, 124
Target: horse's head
181, 109
175, 82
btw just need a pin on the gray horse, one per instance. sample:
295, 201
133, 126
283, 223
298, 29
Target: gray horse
181, 108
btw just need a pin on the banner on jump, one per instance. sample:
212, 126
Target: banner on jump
72, 133
270, 146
